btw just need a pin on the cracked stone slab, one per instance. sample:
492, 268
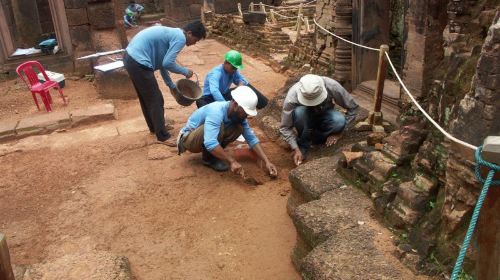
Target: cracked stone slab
316, 177
351, 254
43, 123
335, 211
8, 129
100, 112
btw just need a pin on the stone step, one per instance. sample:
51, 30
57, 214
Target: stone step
310, 180
336, 240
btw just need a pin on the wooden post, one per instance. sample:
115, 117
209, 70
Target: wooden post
300, 9
262, 7
488, 238
6, 272
273, 18
251, 7
306, 23
376, 117
299, 25
240, 11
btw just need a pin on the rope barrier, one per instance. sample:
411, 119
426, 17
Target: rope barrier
343, 39
284, 7
449, 136
475, 215
283, 16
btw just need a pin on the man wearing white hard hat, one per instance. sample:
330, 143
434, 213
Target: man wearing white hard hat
309, 107
214, 126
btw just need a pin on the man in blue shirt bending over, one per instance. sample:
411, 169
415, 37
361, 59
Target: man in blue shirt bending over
214, 126
219, 80
156, 48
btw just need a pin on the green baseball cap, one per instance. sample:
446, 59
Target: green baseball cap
234, 58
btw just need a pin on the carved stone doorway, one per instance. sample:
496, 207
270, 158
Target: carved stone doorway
371, 26
22, 22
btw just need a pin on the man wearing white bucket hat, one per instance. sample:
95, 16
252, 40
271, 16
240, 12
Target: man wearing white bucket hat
309, 108
214, 126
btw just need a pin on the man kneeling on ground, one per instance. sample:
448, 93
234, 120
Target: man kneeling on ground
219, 80
309, 108
214, 126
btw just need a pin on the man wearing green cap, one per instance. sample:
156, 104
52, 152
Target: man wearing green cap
218, 81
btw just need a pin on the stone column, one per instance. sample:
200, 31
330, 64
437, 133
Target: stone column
425, 21
27, 22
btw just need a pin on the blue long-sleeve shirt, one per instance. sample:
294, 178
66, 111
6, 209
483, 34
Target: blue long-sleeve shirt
212, 116
157, 48
218, 81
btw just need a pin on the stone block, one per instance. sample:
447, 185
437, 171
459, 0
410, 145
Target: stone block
81, 38
363, 126
350, 157
317, 220
84, 66
8, 129
400, 215
101, 15
381, 167
378, 129
426, 184
271, 126
115, 85
195, 10
316, 177
254, 17
100, 112
75, 4
43, 123
77, 16
351, 254
374, 138
491, 149
412, 196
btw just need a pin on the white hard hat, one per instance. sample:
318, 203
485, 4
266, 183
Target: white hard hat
312, 90
246, 99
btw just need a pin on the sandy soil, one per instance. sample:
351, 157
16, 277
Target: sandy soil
173, 218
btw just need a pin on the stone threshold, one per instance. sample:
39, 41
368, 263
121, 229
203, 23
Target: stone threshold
50, 122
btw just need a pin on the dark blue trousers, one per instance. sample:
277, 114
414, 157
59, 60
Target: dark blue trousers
315, 127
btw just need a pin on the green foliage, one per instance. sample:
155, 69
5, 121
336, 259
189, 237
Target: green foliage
464, 276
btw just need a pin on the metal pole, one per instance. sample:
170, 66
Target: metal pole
6, 272
382, 70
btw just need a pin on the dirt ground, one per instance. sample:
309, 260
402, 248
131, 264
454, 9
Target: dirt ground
173, 218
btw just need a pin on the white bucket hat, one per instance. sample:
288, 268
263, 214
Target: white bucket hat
312, 90
246, 99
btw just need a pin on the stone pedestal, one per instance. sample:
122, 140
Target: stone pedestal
115, 85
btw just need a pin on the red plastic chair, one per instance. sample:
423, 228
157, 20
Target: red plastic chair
26, 72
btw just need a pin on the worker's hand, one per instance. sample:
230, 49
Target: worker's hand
189, 74
273, 172
236, 168
332, 139
298, 157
